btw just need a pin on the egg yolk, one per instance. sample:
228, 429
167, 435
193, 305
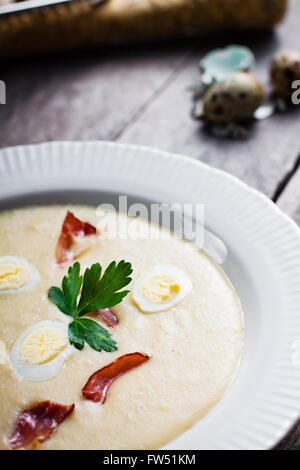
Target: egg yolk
43, 345
13, 275
159, 289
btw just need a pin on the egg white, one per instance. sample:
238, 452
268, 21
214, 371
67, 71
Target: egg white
179, 276
39, 372
34, 274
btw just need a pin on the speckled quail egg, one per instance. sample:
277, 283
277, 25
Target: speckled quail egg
285, 68
233, 100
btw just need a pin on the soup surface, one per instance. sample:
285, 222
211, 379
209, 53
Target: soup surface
194, 346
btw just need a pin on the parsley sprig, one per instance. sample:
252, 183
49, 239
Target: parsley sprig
97, 292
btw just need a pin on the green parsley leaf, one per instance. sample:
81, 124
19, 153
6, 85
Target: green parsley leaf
75, 337
71, 286
97, 292
66, 300
102, 292
84, 329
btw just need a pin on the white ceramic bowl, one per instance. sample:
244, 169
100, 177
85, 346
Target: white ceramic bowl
263, 264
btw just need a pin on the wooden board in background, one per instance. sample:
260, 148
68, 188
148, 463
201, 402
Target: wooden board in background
274, 144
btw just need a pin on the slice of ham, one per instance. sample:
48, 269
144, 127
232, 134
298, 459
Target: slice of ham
38, 423
107, 316
98, 384
71, 228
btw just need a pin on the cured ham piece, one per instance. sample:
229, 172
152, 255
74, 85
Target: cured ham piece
107, 316
38, 423
98, 384
71, 228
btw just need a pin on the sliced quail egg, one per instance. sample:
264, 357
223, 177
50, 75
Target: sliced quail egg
160, 288
40, 351
17, 275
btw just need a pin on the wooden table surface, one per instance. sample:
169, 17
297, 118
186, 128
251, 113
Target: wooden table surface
140, 95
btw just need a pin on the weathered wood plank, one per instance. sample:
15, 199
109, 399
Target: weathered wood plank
264, 157
81, 97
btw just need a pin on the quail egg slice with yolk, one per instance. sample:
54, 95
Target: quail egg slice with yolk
160, 288
17, 275
40, 351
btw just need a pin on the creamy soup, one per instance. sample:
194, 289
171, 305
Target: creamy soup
194, 345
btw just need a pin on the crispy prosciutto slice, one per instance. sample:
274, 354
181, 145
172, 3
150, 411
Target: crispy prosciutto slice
107, 316
72, 228
98, 384
38, 423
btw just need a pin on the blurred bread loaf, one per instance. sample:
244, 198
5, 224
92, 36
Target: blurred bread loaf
80, 24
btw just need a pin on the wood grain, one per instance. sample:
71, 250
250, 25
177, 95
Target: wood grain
82, 96
273, 145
